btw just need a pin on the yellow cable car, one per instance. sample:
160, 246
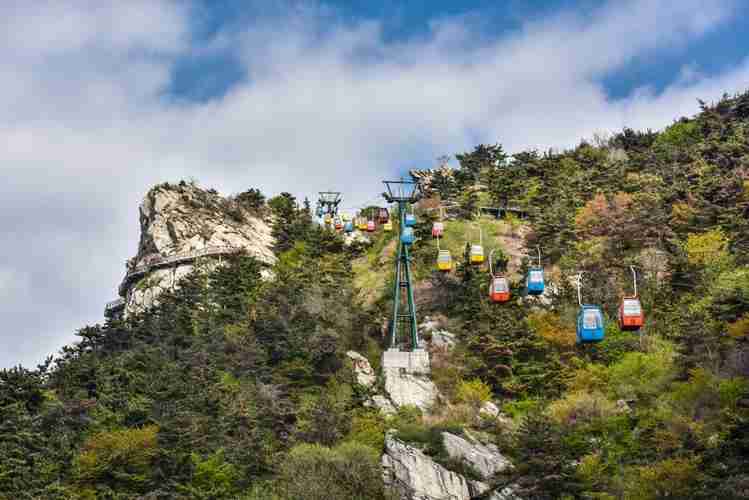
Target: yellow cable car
477, 254
388, 226
362, 224
328, 219
444, 260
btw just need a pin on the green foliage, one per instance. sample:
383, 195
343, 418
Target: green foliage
350, 471
121, 459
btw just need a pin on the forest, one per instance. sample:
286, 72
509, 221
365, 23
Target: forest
236, 387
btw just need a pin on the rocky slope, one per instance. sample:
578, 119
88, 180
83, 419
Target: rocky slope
183, 226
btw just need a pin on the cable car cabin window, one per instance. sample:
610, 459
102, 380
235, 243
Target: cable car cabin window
500, 286
632, 307
591, 319
444, 258
536, 276
477, 250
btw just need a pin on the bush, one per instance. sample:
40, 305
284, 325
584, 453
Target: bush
582, 408
350, 471
473, 393
368, 429
119, 459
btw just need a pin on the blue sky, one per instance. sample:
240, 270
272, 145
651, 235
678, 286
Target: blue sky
203, 78
103, 99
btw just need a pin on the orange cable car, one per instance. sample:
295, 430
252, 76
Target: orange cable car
631, 316
437, 229
499, 286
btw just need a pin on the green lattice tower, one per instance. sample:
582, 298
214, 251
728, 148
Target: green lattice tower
403, 322
328, 202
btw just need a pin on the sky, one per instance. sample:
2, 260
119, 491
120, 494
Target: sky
101, 99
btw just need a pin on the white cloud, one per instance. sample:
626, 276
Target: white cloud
86, 127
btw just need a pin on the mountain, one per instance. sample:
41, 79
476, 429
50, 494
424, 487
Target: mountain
249, 356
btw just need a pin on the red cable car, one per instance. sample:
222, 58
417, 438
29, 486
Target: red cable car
383, 215
371, 226
499, 289
437, 229
631, 316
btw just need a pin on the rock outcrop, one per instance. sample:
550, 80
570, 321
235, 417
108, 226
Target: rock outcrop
412, 475
181, 225
485, 459
365, 375
406, 379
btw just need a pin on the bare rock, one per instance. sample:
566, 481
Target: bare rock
483, 458
365, 375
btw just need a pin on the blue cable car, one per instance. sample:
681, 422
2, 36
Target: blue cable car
534, 282
407, 236
410, 220
589, 324
349, 227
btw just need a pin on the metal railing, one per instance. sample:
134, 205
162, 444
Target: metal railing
114, 305
141, 270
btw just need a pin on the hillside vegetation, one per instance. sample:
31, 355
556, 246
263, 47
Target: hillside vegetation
238, 387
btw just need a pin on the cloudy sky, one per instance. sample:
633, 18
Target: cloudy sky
100, 99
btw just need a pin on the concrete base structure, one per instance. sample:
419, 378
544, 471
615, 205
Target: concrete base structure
414, 362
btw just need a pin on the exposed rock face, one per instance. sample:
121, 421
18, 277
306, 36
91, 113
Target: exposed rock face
181, 221
483, 458
489, 410
364, 373
383, 404
412, 475
406, 380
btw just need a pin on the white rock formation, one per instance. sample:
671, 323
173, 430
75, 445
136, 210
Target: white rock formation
483, 458
382, 403
489, 410
365, 375
183, 219
412, 475
406, 379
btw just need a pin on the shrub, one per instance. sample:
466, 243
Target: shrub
641, 376
350, 471
474, 393
120, 459
671, 478
368, 429
549, 326
582, 408
708, 248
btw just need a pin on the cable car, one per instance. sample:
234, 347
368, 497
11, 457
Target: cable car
631, 316
328, 219
589, 319
437, 229
534, 281
410, 220
338, 224
383, 215
371, 226
362, 226
388, 226
407, 236
499, 289
589, 324
444, 260
349, 227
477, 254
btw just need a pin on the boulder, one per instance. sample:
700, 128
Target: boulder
365, 375
381, 403
483, 458
412, 475
410, 389
489, 410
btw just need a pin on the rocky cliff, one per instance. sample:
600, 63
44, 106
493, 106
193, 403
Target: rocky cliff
181, 226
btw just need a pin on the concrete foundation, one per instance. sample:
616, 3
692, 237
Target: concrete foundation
414, 362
